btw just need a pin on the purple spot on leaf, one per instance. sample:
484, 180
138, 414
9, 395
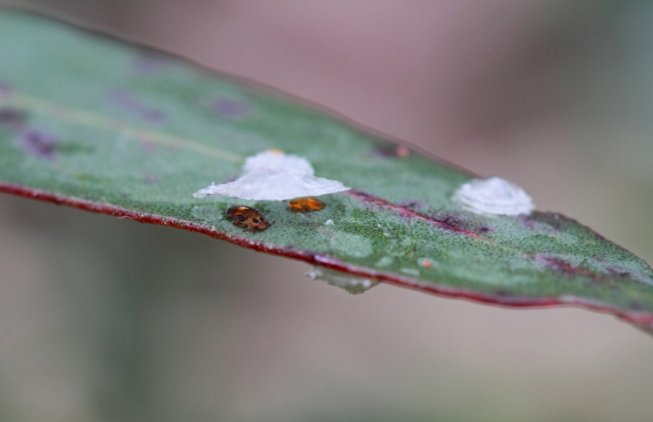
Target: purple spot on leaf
39, 144
230, 109
12, 118
391, 150
129, 102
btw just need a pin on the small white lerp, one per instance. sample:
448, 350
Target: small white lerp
493, 196
274, 176
352, 284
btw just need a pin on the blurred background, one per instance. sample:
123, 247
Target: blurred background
109, 320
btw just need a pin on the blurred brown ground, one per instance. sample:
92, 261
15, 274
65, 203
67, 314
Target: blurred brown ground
103, 319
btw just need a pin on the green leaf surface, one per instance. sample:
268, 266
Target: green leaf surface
95, 123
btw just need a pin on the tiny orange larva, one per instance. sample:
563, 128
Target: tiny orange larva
247, 218
308, 204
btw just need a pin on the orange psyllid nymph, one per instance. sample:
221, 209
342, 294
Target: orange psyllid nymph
308, 204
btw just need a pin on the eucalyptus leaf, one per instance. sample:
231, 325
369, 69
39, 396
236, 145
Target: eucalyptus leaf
105, 126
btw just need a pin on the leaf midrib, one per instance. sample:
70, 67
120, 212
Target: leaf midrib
97, 121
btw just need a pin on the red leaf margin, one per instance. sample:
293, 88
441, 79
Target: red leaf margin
642, 320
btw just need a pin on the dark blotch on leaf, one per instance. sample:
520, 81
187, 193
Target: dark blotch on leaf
12, 118
39, 144
391, 150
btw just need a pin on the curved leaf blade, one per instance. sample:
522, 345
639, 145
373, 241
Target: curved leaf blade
97, 124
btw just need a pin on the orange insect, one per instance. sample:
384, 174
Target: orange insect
308, 204
247, 218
